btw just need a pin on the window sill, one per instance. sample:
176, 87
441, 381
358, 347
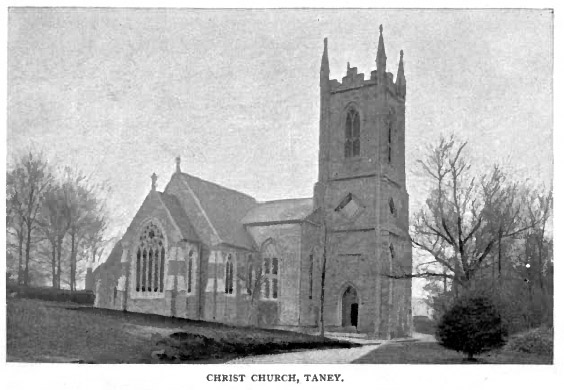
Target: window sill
145, 295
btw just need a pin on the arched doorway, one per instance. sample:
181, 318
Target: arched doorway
350, 307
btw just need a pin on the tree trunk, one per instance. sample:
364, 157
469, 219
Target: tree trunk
59, 254
73, 262
20, 250
541, 281
455, 279
54, 263
27, 251
499, 255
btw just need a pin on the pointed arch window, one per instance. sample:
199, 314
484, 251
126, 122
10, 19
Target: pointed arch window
271, 272
392, 252
191, 277
150, 261
352, 134
229, 275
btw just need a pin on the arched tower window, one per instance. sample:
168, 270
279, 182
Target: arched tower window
229, 275
392, 252
392, 206
352, 134
150, 259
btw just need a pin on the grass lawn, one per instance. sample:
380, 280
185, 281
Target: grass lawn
433, 353
40, 331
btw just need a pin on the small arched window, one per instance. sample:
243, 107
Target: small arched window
352, 134
229, 275
392, 206
392, 252
191, 273
150, 259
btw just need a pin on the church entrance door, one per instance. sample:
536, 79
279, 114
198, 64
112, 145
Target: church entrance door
350, 307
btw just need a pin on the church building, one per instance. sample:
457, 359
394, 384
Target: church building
201, 251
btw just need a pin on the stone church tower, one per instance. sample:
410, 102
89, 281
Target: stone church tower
362, 194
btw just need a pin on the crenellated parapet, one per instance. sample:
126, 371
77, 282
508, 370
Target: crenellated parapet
355, 80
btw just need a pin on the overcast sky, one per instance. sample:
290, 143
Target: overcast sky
121, 92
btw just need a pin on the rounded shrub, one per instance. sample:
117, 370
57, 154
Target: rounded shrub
472, 325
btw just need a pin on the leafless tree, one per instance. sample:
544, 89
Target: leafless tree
465, 215
254, 279
54, 222
26, 185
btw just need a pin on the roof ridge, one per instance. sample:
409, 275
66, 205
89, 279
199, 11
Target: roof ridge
219, 185
283, 200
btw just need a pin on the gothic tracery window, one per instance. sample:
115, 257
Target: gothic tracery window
150, 259
352, 134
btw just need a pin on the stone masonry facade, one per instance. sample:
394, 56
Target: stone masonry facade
201, 251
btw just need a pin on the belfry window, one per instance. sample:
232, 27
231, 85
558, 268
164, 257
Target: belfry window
150, 261
352, 134
392, 206
229, 275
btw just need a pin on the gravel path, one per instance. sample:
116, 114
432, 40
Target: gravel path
338, 355
328, 356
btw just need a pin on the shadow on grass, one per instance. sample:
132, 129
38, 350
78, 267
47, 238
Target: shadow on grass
40, 331
433, 353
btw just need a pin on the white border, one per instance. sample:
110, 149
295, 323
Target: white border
125, 377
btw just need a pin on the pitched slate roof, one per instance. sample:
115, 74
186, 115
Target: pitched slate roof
224, 208
179, 216
277, 211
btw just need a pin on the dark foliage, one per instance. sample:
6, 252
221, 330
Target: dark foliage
472, 325
183, 346
539, 341
51, 294
424, 325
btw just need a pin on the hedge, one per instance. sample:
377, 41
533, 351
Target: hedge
51, 294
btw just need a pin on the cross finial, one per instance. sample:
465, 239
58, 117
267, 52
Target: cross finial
178, 164
154, 181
